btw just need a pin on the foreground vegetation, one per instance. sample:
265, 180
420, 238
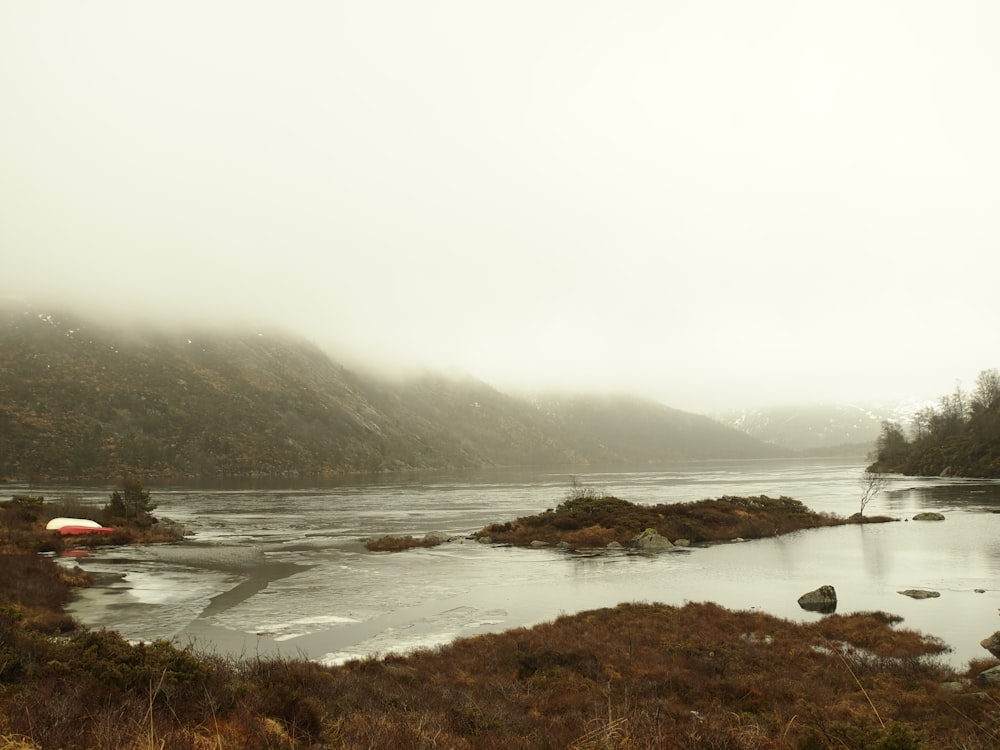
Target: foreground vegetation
958, 437
637, 675
589, 519
634, 676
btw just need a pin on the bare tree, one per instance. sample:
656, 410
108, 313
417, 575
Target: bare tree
987, 393
872, 483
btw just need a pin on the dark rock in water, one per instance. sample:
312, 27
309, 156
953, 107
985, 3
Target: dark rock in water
928, 516
920, 594
823, 600
992, 644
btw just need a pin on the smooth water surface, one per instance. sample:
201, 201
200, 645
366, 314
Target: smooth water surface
282, 569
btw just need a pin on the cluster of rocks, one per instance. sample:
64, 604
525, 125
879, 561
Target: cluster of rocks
649, 540
824, 600
991, 644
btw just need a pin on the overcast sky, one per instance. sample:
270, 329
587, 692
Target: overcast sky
716, 204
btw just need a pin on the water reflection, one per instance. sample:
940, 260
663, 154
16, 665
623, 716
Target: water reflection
967, 495
873, 553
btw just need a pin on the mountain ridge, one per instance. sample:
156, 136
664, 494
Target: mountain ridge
87, 400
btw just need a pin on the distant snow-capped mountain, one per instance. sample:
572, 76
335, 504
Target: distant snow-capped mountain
849, 428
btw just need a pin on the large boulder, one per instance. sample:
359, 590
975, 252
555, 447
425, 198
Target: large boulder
991, 675
823, 599
928, 516
992, 644
651, 540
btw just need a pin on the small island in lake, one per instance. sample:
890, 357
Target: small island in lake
588, 520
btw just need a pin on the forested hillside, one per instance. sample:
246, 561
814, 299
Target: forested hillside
80, 400
958, 437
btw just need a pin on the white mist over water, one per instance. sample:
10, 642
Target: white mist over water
283, 570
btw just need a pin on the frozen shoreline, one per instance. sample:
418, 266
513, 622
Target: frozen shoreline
493, 589
283, 572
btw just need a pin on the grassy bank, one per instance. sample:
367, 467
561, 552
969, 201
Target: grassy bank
635, 676
23, 520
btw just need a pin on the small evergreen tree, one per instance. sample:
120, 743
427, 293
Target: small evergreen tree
130, 501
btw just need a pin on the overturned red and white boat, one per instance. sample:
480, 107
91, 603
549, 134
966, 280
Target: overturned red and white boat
77, 526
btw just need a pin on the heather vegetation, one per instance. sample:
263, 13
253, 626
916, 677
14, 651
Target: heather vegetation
958, 437
589, 519
637, 675
393, 543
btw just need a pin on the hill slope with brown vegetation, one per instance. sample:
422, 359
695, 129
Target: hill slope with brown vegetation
82, 400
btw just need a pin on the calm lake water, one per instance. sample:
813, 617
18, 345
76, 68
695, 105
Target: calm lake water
271, 569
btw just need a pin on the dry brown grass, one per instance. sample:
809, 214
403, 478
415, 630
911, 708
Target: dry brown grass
635, 676
14, 742
399, 543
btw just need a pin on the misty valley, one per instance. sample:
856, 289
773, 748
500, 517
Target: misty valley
270, 468
81, 400
537, 376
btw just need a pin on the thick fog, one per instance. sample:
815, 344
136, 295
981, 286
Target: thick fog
716, 204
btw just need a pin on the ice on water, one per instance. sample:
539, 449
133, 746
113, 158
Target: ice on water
345, 602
